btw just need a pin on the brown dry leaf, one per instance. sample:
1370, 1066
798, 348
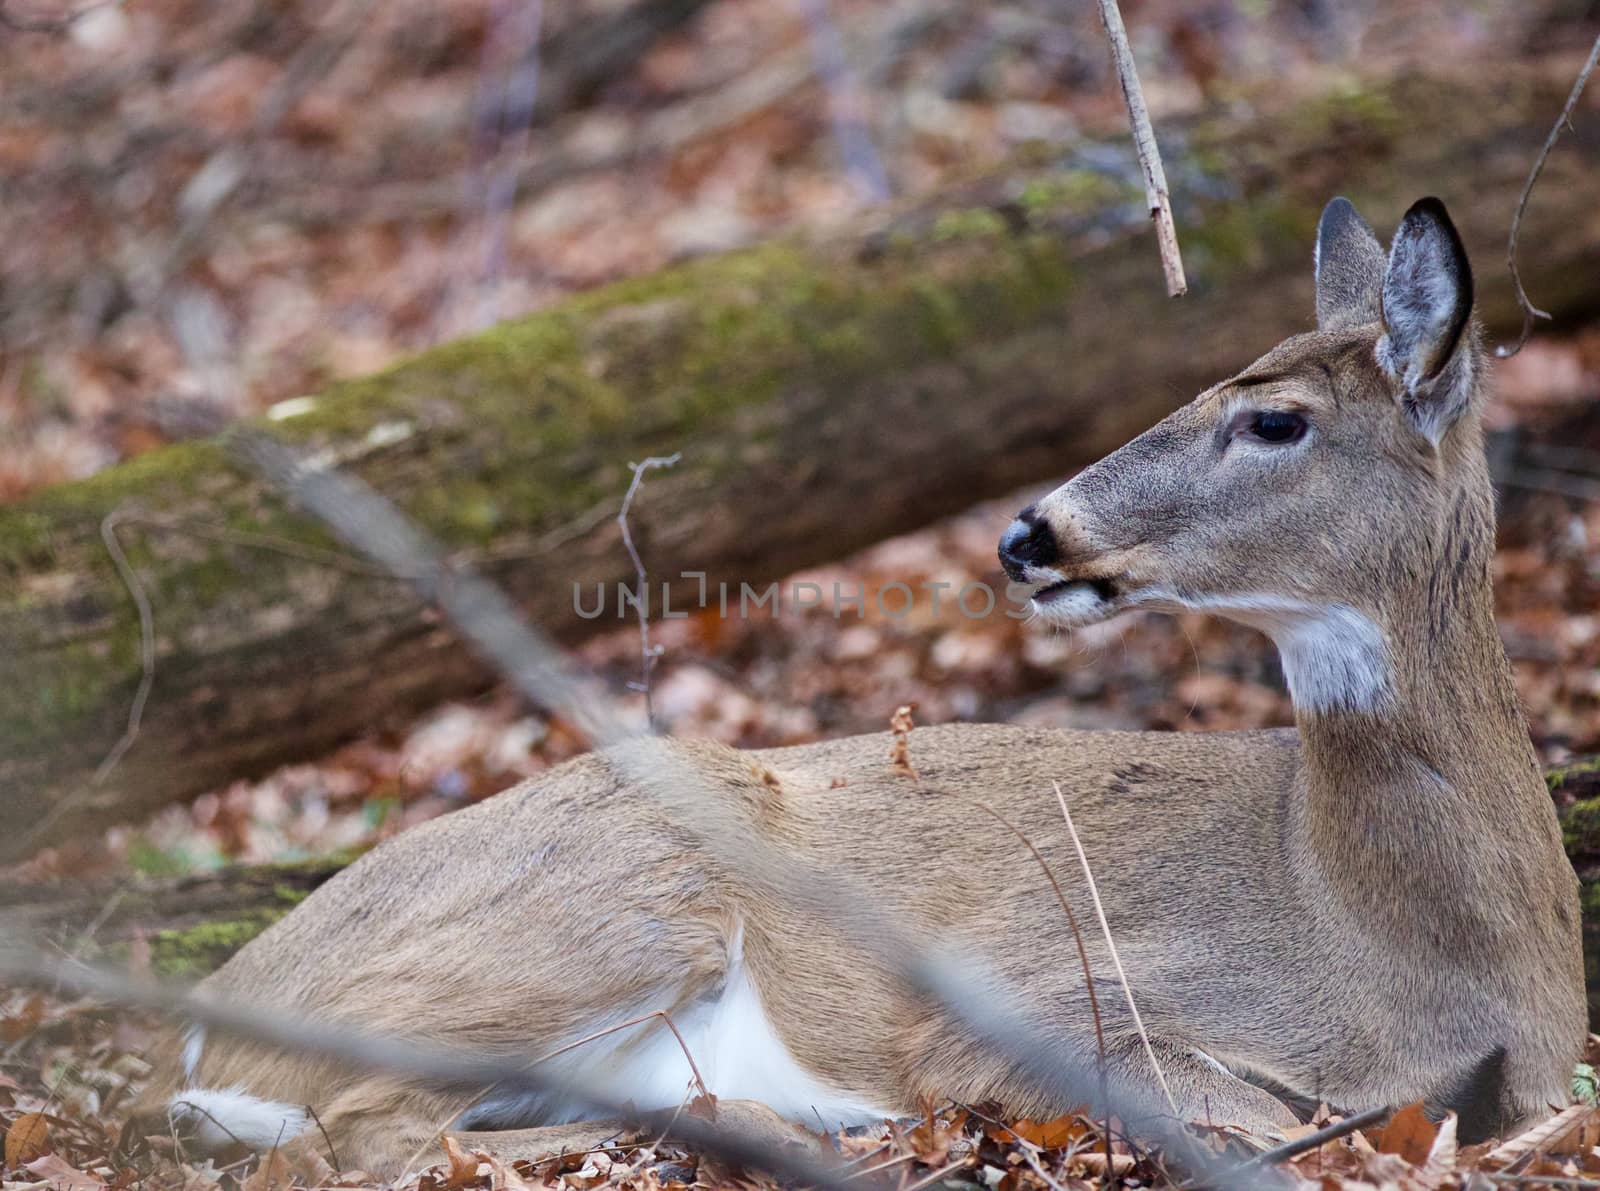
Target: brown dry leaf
308, 1164
900, 724
1410, 1134
463, 1166
1093, 1163
1050, 1135
27, 1138
704, 1106
1441, 1160
24, 1021
932, 1138
273, 1174
63, 1177
1555, 1136
503, 1177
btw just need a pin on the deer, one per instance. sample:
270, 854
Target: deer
1372, 907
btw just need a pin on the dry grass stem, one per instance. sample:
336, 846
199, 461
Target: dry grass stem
1105, 927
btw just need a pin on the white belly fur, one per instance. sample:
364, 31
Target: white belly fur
737, 1050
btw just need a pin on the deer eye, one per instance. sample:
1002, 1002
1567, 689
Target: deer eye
1276, 426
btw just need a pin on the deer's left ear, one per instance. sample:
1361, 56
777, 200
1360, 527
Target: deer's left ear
1427, 305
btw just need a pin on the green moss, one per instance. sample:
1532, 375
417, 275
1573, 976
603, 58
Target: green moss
1239, 237
197, 950
1582, 772
1351, 109
968, 224
1580, 828
1071, 190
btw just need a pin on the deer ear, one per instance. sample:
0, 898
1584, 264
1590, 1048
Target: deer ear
1427, 304
1349, 266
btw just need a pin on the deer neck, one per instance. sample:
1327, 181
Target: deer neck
1418, 778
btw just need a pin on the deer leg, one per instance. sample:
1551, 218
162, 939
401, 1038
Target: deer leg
1204, 1091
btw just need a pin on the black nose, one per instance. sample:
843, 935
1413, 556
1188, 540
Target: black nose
1027, 542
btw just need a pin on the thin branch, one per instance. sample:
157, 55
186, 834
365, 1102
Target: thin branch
147, 648
635, 1021
1144, 141
141, 695
333, 1154
648, 654
1314, 1141
147, 635
934, 1176
1105, 927
1564, 120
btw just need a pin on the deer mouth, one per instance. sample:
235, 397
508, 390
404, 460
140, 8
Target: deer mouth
1077, 602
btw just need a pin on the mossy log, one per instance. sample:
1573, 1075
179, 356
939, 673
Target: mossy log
824, 395
1577, 786
190, 924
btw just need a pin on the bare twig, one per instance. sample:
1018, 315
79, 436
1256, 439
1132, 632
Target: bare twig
1105, 927
636, 1021
934, 1176
648, 653
1564, 120
147, 648
1032, 1159
333, 1154
1144, 140
141, 695
1313, 1141
147, 636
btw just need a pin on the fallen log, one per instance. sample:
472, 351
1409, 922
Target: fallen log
188, 924
825, 395
1578, 786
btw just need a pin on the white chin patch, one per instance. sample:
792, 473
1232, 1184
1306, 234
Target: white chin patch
1072, 604
1334, 657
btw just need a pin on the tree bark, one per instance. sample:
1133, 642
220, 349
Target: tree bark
824, 395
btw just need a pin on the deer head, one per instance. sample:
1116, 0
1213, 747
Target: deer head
1333, 494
